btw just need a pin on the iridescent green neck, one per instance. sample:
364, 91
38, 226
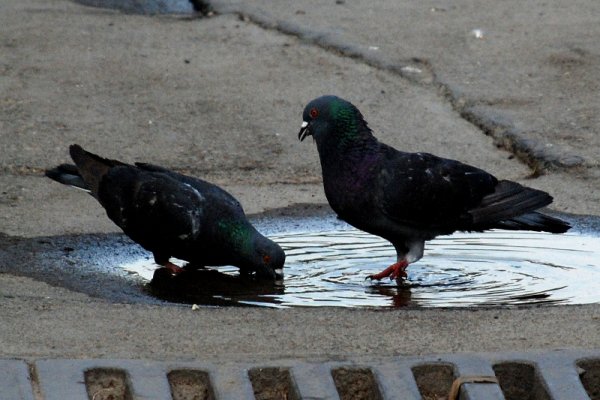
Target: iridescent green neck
349, 123
239, 233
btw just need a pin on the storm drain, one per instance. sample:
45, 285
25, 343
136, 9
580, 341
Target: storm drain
565, 374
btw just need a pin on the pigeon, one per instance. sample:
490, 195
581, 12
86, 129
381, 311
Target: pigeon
173, 215
410, 198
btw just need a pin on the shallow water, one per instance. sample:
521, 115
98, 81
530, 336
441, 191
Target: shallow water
329, 267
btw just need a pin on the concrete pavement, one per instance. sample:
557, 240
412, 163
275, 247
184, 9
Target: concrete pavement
222, 98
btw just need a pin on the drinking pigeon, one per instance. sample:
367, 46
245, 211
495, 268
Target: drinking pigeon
173, 215
409, 198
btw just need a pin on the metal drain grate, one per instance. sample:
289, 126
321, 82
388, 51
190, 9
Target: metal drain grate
564, 374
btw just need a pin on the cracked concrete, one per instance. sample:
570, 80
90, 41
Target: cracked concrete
222, 98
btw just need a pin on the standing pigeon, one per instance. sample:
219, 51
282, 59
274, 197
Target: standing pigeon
408, 198
173, 215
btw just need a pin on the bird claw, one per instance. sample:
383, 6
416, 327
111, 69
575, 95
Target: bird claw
394, 272
398, 275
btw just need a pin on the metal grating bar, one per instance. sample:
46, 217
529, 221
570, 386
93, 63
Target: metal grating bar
559, 375
476, 366
14, 381
231, 382
62, 379
148, 380
314, 381
396, 381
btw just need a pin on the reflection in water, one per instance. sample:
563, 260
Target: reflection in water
210, 287
328, 268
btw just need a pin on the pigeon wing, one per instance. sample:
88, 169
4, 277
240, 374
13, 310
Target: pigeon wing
202, 186
430, 192
153, 209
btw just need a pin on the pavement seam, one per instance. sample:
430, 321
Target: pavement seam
538, 156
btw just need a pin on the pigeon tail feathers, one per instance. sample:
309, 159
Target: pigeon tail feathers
508, 200
67, 174
91, 167
535, 221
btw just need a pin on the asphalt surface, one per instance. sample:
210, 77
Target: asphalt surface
508, 87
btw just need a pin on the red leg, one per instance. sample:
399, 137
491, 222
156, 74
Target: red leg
174, 269
394, 271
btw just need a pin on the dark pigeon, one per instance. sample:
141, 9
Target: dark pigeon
409, 198
173, 215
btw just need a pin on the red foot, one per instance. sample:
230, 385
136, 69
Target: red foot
394, 271
175, 269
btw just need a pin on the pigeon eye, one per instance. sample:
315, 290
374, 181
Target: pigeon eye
266, 259
314, 113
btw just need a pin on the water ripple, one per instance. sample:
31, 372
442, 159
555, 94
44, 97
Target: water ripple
328, 268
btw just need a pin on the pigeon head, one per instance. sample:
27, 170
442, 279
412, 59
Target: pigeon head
252, 252
267, 259
332, 119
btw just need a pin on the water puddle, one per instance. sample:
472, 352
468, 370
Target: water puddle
327, 263
328, 268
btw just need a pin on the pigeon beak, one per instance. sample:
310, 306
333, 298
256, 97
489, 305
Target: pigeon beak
304, 131
266, 273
